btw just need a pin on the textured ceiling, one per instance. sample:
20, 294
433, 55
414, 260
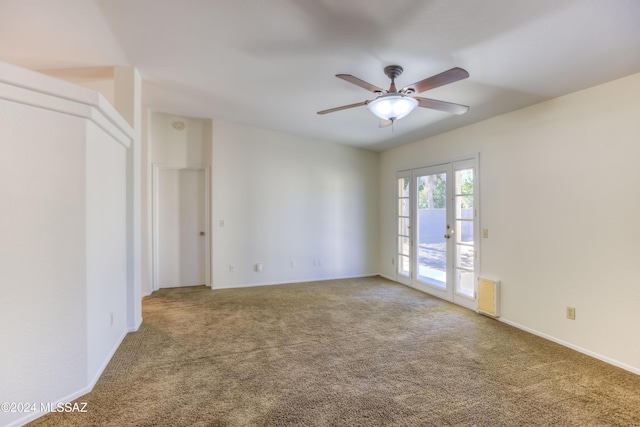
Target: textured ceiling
272, 63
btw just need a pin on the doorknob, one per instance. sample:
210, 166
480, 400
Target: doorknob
202, 233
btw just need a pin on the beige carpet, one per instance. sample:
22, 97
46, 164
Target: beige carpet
358, 352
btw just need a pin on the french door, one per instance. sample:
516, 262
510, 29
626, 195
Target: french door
437, 230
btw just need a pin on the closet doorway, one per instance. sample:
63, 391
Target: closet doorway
180, 220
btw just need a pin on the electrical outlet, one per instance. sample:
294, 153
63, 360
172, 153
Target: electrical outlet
571, 313
293, 264
258, 267
232, 268
111, 319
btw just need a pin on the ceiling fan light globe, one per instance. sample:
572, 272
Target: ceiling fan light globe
392, 106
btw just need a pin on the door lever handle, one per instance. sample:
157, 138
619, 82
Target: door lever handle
446, 236
202, 233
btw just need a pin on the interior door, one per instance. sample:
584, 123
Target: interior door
181, 228
437, 230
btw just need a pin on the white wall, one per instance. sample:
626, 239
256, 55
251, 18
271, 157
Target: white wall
121, 87
106, 247
189, 146
62, 238
285, 198
558, 193
42, 251
128, 103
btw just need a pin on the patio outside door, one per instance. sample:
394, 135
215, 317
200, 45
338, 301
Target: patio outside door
437, 231
433, 231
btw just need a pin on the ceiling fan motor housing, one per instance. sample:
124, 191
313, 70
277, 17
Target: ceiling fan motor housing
393, 71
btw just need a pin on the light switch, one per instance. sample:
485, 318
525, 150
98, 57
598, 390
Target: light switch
485, 233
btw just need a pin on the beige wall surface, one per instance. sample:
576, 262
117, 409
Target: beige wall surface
558, 193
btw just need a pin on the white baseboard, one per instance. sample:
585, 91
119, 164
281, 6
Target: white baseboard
102, 367
35, 415
572, 346
250, 285
136, 327
76, 394
579, 349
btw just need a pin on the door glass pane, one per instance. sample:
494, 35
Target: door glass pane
464, 232
464, 257
464, 181
403, 208
403, 187
403, 246
431, 228
464, 207
404, 226
403, 265
465, 283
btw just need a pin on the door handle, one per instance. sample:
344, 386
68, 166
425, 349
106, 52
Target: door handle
446, 236
202, 233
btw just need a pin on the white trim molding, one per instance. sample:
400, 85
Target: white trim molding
157, 167
28, 87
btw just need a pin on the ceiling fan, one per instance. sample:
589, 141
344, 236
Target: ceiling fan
391, 105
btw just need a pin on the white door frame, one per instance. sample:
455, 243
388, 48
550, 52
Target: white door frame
157, 167
403, 251
466, 161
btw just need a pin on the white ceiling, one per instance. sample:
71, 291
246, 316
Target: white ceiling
272, 63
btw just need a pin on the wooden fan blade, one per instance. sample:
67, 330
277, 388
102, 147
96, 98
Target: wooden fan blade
385, 123
444, 78
344, 107
448, 107
356, 81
